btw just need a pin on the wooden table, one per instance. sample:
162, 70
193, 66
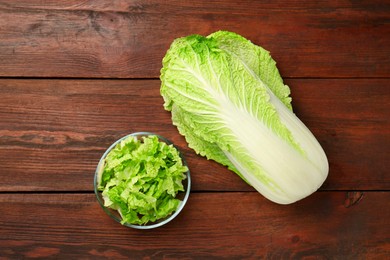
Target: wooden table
77, 75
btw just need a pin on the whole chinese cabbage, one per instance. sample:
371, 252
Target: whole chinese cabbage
228, 99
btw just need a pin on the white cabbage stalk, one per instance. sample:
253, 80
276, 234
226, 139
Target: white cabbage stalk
227, 98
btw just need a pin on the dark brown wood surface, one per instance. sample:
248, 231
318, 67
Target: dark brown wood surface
77, 75
118, 39
213, 225
47, 121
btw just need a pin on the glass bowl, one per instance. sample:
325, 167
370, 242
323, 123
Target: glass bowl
182, 196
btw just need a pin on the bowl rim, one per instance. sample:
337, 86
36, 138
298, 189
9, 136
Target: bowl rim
158, 223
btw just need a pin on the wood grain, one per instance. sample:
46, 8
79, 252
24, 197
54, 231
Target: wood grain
77, 75
56, 131
118, 39
212, 225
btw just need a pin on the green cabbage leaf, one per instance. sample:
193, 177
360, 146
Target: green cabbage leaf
227, 98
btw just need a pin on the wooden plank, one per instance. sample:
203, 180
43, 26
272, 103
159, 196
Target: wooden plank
219, 6
56, 131
212, 225
128, 40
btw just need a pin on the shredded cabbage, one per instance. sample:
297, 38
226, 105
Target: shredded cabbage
141, 178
